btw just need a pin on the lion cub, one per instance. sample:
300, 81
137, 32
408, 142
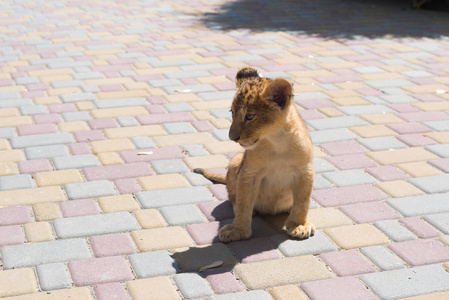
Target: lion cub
275, 173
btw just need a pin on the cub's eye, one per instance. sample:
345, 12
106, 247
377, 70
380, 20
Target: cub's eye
249, 117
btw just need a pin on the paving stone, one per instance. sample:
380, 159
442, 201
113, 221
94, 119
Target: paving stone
75, 161
193, 258
182, 214
107, 291
394, 230
31, 196
14, 182
440, 150
161, 198
11, 235
420, 205
76, 208
89, 189
321, 165
440, 221
382, 143
352, 161
28, 255
348, 195
356, 236
158, 288
99, 270
166, 166
332, 135
341, 288
153, 264
192, 285
397, 156
17, 282
407, 282
421, 228
347, 263
104, 223
421, 252
287, 292
382, 257
42, 152
143, 142
117, 171
399, 188
41, 139
38, 232
15, 215
111, 244
336, 122
369, 212
222, 280
432, 184
349, 177
255, 249
161, 238
260, 275
317, 244
53, 277
248, 295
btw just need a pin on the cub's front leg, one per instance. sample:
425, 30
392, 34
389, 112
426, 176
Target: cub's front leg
296, 224
246, 193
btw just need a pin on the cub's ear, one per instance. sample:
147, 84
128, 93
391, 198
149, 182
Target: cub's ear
279, 91
244, 74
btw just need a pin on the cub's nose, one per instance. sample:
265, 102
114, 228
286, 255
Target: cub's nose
234, 137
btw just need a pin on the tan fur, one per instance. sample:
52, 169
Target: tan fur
275, 173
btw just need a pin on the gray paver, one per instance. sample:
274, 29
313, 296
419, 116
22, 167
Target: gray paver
365, 109
382, 143
15, 102
33, 109
76, 161
7, 133
441, 150
94, 225
124, 102
389, 83
321, 183
90, 189
127, 121
221, 134
317, 244
192, 285
195, 150
178, 128
41, 139
395, 231
336, 122
28, 255
143, 142
182, 214
321, 165
161, 198
197, 179
51, 151
249, 295
76, 116
153, 264
399, 99
432, 184
13, 182
349, 177
53, 277
166, 166
332, 135
79, 96
407, 282
383, 258
420, 205
442, 125
440, 221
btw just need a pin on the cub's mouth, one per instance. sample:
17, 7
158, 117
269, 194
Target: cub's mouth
250, 145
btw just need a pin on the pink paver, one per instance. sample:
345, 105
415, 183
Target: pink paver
225, 86
34, 166
11, 235
202, 126
127, 185
111, 244
130, 156
256, 249
60, 108
100, 270
314, 104
165, 118
204, 233
311, 114
156, 99
423, 116
88, 135
370, 92
387, 173
339, 79
219, 190
222, 281
15, 215
340, 288
156, 109
80, 148
410, 127
403, 107
102, 123
352, 161
421, 252
76, 208
47, 118
427, 97
111, 88
441, 163
347, 262
217, 210
38, 86
421, 228
348, 195
109, 291
369, 212
37, 129
112, 172
343, 148
415, 140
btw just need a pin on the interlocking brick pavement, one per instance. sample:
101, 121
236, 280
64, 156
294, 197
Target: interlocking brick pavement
85, 86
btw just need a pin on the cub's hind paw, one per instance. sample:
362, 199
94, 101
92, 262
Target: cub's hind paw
231, 233
300, 231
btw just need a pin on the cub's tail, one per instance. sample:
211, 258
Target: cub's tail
217, 178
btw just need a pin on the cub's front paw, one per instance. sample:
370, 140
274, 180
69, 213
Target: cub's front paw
300, 231
231, 233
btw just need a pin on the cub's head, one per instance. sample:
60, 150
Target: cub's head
259, 107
